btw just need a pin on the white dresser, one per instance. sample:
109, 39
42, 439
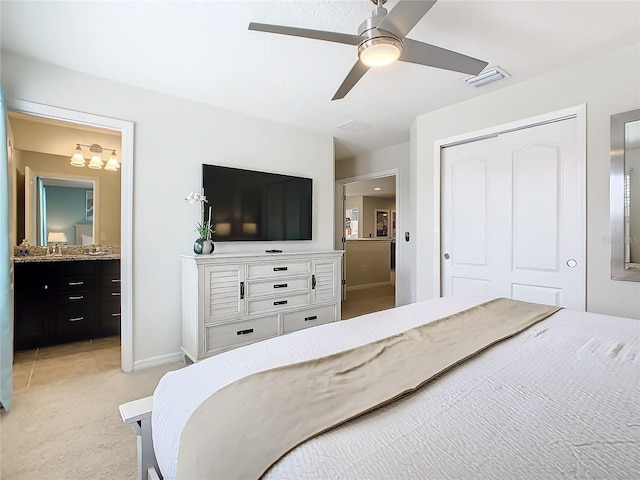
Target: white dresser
229, 300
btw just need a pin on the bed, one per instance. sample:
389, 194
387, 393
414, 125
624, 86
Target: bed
558, 400
84, 233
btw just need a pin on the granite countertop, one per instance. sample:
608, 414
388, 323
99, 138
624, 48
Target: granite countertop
66, 258
69, 253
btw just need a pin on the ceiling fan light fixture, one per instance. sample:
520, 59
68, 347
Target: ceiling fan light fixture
379, 51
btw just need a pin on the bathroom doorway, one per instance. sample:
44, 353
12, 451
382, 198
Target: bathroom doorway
123, 202
57, 202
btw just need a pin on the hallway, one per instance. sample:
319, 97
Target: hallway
368, 300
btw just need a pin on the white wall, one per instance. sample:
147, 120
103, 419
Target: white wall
394, 157
173, 137
607, 85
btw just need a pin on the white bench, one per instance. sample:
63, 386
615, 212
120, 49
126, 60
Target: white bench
137, 414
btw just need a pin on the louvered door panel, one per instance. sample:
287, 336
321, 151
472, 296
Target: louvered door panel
325, 286
222, 284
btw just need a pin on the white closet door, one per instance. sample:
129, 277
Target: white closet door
513, 217
473, 235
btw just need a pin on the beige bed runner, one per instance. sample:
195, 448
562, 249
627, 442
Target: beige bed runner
245, 427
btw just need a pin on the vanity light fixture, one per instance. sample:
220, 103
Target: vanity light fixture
96, 162
78, 158
112, 164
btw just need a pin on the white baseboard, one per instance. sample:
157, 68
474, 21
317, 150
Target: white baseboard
369, 285
157, 361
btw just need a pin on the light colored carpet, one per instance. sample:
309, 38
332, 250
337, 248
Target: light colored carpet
73, 429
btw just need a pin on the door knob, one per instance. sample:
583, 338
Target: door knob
571, 263
446, 256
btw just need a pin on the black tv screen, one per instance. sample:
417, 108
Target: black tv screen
248, 205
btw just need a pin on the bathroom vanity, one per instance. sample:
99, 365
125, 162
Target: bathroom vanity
64, 299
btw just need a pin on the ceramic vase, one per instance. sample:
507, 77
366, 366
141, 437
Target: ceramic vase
202, 246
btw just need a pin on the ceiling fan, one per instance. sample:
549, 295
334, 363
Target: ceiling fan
381, 40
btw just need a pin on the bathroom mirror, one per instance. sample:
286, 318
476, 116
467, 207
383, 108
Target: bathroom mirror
625, 196
62, 206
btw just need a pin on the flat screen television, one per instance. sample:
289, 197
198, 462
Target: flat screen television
249, 205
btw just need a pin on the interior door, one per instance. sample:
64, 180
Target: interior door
513, 217
343, 279
30, 206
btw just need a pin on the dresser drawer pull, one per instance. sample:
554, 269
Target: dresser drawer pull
281, 285
281, 302
241, 290
313, 281
73, 284
116, 314
77, 319
244, 332
115, 294
313, 317
280, 269
114, 280
77, 298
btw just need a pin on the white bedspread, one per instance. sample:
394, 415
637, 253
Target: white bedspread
559, 400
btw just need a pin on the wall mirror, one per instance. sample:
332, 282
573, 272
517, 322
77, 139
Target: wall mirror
58, 206
625, 196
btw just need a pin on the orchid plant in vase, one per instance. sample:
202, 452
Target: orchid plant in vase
203, 244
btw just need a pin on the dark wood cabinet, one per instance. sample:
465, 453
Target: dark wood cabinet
109, 315
32, 298
63, 301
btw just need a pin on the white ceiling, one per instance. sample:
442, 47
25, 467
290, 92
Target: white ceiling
203, 51
366, 188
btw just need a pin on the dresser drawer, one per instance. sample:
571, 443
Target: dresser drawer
75, 319
308, 318
108, 296
110, 266
109, 283
279, 287
231, 334
278, 269
277, 303
110, 316
75, 298
74, 283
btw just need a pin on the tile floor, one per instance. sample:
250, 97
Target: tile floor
58, 363
368, 300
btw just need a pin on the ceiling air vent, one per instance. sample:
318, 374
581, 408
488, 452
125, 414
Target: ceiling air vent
353, 126
488, 76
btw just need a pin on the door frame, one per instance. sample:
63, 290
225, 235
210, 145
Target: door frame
579, 112
340, 219
126, 130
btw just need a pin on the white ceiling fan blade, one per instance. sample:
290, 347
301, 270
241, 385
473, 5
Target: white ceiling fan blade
356, 73
433, 56
307, 33
404, 16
